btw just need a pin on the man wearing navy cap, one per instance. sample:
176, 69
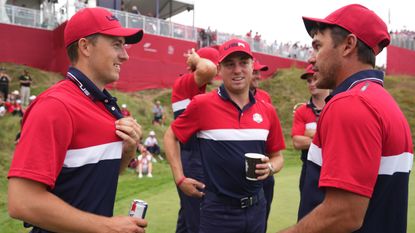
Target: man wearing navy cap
359, 162
203, 68
229, 122
74, 140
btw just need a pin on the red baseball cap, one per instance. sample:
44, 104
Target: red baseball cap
359, 20
89, 21
209, 53
308, 71
259, 66
232, 46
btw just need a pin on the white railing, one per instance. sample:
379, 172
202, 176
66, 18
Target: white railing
24, 16
34, 18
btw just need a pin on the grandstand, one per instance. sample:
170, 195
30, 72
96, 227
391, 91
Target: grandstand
164, 43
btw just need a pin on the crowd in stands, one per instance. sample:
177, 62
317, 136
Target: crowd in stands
403, 38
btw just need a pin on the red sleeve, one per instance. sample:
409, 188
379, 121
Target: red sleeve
185, 88
46, 134
275, 141
351, 145
299, 121
187, 123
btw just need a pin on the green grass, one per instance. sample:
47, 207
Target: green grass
286, 89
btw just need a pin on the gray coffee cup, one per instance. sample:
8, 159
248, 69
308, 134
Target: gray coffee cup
251, 160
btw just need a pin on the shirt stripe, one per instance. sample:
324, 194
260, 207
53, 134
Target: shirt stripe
314, 154
311, 125
389, 165
234, 134
93, 154
396, 163
179, 105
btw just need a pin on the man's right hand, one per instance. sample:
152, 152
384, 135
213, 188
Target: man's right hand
191, 188
125, 224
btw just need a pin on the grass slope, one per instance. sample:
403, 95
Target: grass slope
286, 90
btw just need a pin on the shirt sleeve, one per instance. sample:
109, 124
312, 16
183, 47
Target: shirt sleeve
45, 138
299, 122
188, 122
351, 145
275, 141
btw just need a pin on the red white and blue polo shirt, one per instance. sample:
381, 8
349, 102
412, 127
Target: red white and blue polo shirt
363, 145
226, 133
184, 89
262, 95
304, 119
68, 143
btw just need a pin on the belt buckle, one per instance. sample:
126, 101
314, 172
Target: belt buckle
246, 202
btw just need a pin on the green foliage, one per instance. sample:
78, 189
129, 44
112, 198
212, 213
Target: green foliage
286, 90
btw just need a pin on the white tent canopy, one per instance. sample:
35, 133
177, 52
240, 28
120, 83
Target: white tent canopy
160, 8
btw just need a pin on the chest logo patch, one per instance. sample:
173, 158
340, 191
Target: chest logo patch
257, 118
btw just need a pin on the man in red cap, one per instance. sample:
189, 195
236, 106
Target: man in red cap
259, 94
359, 162
229, 122
305, 119
74, 140
203, 68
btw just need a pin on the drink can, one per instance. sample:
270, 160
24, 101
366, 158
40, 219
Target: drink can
138, 209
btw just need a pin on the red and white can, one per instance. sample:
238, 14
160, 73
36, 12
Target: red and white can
138, 209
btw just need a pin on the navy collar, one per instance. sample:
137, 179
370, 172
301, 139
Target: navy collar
313, 108
93, 92
361, 76
225, 96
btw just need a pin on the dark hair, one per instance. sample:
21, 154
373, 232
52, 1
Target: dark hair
338, 34
72, 49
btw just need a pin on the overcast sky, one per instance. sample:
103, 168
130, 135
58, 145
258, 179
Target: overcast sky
281, 20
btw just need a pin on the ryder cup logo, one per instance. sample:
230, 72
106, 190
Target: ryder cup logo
257, 118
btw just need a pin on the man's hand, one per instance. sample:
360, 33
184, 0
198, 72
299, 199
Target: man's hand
192, 60
129, 131
125, 224
263, 169
191, 187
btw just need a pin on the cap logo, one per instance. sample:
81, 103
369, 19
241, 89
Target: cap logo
112, 18
236, 44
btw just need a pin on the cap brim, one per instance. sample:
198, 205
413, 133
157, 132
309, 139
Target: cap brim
311, 23
232, 52
262, 68
131, 35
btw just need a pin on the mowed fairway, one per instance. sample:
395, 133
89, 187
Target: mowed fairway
160, 193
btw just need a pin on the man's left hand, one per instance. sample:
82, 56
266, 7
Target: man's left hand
263, 169
129, 130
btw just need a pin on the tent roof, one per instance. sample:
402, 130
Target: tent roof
167, 8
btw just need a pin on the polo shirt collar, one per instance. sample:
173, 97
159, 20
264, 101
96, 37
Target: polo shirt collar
93, 92
225, 96
361, 76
